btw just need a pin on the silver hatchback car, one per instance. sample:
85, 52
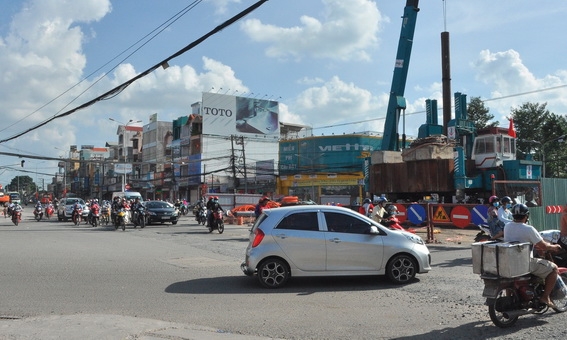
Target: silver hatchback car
321, 240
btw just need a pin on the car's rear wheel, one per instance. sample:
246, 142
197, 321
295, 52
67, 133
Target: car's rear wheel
273, 273
401, 269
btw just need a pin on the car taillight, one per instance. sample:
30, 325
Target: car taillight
258, 237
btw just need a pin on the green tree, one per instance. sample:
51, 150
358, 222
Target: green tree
478, 113
23, 183
539, 135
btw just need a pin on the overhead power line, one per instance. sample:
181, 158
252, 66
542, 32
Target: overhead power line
164, 63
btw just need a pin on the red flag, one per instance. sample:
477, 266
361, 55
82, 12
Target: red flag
511, 130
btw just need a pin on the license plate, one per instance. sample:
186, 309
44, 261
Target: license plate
165, 217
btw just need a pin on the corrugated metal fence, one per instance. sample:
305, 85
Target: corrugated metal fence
554, 193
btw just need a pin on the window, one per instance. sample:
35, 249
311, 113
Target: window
300, 221
341, 223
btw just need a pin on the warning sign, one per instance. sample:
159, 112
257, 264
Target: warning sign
440, 215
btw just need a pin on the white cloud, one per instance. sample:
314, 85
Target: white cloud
506, 75
348, 30
222, 5
336, 101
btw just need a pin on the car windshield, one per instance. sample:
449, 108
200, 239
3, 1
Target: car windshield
158, 204
73, 201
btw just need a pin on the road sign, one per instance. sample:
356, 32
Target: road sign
460, 216
479, 214
554, 209
440, 215
416, 214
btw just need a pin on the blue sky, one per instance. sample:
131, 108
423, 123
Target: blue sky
328, 62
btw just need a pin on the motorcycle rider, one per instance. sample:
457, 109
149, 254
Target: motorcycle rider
494, 223
379, 212
95, 209
214, 206
519, 231
76, 207
37, 208
504, 214
200, 205
563, 229
136, 206
366, 207
116, 205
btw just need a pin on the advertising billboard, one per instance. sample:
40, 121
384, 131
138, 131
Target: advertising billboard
226, 115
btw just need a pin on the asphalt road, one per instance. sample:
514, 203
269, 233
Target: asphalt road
185, 275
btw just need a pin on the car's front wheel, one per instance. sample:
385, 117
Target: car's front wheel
401, 269
273, 273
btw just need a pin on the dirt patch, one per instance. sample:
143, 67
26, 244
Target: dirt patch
449, 235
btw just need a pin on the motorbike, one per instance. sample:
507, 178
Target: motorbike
139, 217
183, 209
218, 222
77, 215
509, 298
121, 218
105, 214
201, 216
49, 211
95, 216
38, 213
16, 215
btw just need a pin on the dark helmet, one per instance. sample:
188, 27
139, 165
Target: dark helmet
520, 211
506, 199
392, 209
493, 199
367, 200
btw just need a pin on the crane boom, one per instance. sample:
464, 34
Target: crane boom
396, 101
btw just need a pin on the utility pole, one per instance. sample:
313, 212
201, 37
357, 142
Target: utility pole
233, 161
240, 141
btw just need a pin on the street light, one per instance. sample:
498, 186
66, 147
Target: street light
124, 150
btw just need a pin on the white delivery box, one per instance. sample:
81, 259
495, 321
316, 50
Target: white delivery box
501, 258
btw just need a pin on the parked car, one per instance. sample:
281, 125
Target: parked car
321, 240
65, 208
161, 212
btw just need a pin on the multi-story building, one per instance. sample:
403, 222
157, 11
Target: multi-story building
156, 174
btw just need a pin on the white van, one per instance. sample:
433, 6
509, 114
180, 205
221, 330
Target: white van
129, 195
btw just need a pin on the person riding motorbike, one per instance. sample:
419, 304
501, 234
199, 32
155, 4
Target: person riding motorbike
200, 205
94, 210
214, 206
136, 206
494, 223
519, 231
116, 205
504, 214
366, 207
77, 207
379, 212
390, 219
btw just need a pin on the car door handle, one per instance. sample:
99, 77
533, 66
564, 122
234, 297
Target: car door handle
335, 240
281, 235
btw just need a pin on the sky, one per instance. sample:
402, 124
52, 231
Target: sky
329, 63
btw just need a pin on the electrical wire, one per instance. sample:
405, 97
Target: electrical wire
118, 89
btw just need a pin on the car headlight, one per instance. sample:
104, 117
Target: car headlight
151, 213
414, 238
175, 213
